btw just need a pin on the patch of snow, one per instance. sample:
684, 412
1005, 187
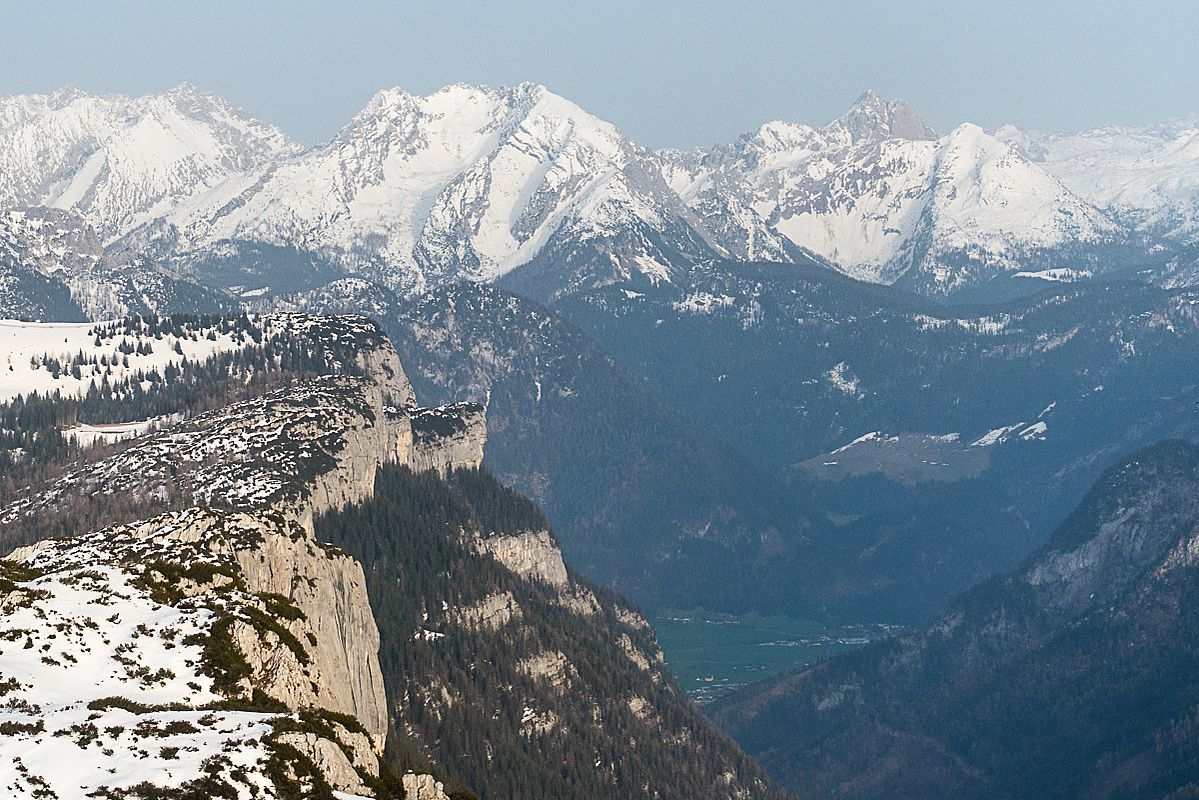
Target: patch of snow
843, 380
996, 436
1057, 275
1034, 431
91, 633
702, 303
873, 436
88, 435
24, 344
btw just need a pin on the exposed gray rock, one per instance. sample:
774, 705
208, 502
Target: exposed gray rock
490, 613
531, 554
330, 589
423, 787
331, 760
447, 437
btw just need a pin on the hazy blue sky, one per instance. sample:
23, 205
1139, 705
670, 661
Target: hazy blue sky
668, 73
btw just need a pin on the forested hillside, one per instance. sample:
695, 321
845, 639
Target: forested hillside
1072, 676
535, 686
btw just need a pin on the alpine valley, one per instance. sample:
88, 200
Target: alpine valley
358, 470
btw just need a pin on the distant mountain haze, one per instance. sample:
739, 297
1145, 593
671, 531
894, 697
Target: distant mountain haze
472, 182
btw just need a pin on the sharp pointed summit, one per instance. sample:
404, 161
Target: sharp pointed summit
873, 117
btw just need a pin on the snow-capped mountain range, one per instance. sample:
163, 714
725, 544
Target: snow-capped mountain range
883, 197
53, 266
480, 183
1148, 176
121, 161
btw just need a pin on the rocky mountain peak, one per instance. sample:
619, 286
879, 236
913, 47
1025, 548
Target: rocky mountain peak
873, 117
113, 158
64, 96
475, 182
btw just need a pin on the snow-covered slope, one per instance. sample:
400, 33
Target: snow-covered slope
53, 268
878, 193
72, 358
204, 643
205, 626
119, 161
31, 349
479, 183
112, 676
1147, 175
466, 182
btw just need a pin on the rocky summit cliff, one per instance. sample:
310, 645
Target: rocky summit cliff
217, 647
222, 615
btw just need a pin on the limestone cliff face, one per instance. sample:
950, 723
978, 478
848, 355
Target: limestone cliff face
232, 606
328, 611
358, 446
423, 787
382, 364
298, 451
243, 485
374, 356
491, 613
531, 554
329, 589
448, 437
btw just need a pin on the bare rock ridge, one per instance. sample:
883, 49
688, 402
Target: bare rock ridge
298, 451
873, 117
447, 437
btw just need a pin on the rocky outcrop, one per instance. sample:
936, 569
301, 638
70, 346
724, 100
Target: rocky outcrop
382, 363
423, 787
532, 554
329, 589
550, 666
491, 613
377, 435
342, 761
315, 596
142, 626
299, 451
448, 437
276, 621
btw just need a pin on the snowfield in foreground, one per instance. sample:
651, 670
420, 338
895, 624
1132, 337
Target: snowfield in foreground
103, 685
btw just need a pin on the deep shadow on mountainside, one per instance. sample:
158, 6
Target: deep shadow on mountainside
677, 434
788, 363
520, 685
642, 500
681, 433
1069, 677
